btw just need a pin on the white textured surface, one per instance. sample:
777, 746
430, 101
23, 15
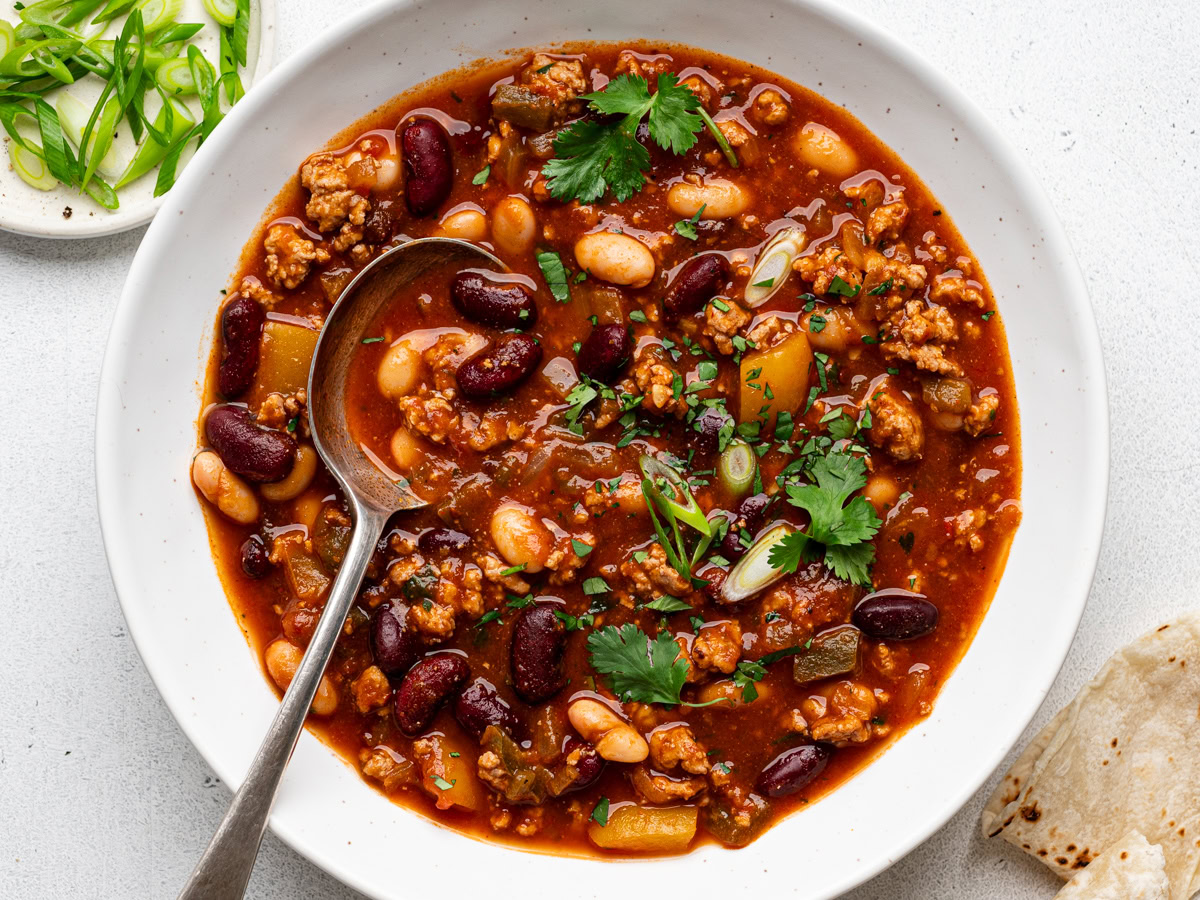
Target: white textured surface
103, 796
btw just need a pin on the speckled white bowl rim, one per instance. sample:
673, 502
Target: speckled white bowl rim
35, 214
157, 546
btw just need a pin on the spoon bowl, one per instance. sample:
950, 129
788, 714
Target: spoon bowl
373, 496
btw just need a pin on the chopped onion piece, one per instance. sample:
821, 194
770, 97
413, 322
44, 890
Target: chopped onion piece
737, 467
31, 167
774, 265
754, 571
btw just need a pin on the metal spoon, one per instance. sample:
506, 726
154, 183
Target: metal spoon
224, 869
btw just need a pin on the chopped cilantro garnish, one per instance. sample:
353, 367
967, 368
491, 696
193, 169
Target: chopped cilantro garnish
842, 288
581, 549
600, 812
881, 288
687, 227
667, 604
512, 570
481, 176
441, 783
555, 274
595, 585
637, 316
372, 340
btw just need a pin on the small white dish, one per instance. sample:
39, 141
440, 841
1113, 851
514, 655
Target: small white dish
66, 213
148, 402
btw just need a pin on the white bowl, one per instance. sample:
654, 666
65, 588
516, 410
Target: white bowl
24, 210
158, 549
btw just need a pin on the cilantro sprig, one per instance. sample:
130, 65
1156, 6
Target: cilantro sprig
593, 156
841, 526
638, 669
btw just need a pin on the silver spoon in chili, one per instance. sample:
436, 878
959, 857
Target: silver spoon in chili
224, 870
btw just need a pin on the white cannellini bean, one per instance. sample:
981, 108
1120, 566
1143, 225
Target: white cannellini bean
406, 450
881, 492
822, 148
514, 226
304, 469
224, 490
521, 538
615, 258
466, 225
282, 659
614, 738
399, 371
719, 197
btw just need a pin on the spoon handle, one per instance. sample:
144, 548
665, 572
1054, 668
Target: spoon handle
224, 870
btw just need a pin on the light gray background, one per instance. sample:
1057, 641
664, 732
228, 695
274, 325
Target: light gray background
101, 795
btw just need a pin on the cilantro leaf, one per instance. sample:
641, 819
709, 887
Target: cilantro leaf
580, 396
687, 227
667, 604
638, 669
555, 274
593, 156
843, 529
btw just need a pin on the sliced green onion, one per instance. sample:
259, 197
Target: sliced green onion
54, 145
153, 57
184, 31
75, 116
151, 153
241, 31
736, 468
224, 11
229, 76
8, 38
170, 163
754, 571
78, 11
159, 14
102, 138
681, 503
31, 168
175, 76
52, 65
112, 9
773, 266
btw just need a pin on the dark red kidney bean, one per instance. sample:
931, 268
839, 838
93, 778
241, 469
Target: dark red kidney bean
256, 560
792, 769
495, 303
499, 368
428, 166
536, 653
894, 614
605, 351
381, 223
428, 685
714, 577
698, 281
438, 539
395, 645
590, 763
478, 706
242, 322
751, 511
708, 426
251, 451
